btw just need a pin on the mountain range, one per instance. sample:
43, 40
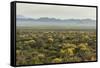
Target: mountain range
45, 21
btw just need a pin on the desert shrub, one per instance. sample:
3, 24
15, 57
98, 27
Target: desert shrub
39, 47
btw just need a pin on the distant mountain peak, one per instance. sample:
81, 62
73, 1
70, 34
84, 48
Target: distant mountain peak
59, 23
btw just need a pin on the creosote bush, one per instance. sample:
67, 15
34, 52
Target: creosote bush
39, 47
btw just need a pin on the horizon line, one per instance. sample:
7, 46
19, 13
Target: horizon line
27, 17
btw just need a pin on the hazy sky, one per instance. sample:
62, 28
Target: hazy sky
55, 11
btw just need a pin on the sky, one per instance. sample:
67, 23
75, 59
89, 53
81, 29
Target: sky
55, 11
